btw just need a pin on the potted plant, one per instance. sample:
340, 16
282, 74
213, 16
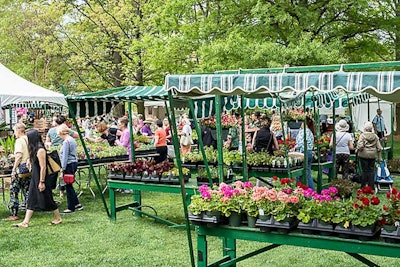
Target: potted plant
360, 216
391, 217
207, 205
391, 210
232, 200
345, 187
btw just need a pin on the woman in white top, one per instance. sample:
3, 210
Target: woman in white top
187, 132
343, 144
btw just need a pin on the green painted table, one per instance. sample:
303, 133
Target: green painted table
137, 188
229, 235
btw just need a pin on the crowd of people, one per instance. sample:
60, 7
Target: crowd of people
262, 134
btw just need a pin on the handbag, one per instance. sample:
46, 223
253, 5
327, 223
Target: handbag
69, 178
53, 162
23, 171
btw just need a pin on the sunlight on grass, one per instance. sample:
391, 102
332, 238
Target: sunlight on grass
89, 238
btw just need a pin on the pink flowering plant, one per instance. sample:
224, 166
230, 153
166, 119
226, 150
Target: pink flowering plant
233, 197
318, 206
280, 202
209, 199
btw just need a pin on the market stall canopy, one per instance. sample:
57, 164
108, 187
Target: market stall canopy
15, 89
97, 103
384, 85
204, 107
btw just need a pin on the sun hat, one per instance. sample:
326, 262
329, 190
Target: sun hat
368, 127
342, 126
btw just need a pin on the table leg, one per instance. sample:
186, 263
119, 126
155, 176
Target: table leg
229, 247
112, 205
137, 197
201, 250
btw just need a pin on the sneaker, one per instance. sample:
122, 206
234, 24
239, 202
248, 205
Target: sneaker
67, 211
11, 218
79, 207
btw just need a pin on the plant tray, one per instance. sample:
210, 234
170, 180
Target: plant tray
272, 224
391, 237
357, 232
315, 227
211, 221
190, 166
116, 176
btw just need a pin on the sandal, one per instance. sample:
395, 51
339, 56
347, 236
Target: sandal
55, 222
21, 225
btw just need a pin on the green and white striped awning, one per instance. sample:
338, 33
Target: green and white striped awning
384, 85
97, 103
204, 107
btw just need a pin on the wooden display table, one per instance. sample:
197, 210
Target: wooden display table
229, 235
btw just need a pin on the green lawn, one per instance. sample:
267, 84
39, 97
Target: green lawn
88, 238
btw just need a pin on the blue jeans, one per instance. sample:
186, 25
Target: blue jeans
72, 198
310, 181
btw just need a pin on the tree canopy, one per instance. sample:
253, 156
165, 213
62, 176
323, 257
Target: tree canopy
89, 45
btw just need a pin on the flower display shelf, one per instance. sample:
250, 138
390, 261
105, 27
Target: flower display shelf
315, 226
154, 179
204, 180
271, 224
133, 177
356, 232
391, 236
174, 180
190, 165
145, 152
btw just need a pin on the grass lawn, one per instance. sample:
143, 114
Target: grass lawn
89, 238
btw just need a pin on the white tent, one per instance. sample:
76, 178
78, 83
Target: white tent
15, 89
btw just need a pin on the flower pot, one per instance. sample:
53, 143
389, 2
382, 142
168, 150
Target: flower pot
389, 228
213, 213
308, 228
235, 219
251, 221
390, 234
265, 217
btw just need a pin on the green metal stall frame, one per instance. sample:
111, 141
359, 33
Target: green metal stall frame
385, 85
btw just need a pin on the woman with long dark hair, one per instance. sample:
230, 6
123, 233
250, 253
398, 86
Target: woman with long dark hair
40, 194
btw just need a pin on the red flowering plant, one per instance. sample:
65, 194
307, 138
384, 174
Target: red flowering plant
391, 208
287, 144
365, 209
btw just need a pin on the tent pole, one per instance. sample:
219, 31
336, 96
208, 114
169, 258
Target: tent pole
200, 141
175, 141
132, 140
318, 135
219, 137
392, 107
72, 114
305, 145
334, 139
245, 171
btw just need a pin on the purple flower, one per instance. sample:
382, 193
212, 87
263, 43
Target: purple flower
206, 195
248, 184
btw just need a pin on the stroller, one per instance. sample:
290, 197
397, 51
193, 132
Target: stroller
383, 178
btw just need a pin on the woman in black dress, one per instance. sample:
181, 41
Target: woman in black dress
264, 139
40, 195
